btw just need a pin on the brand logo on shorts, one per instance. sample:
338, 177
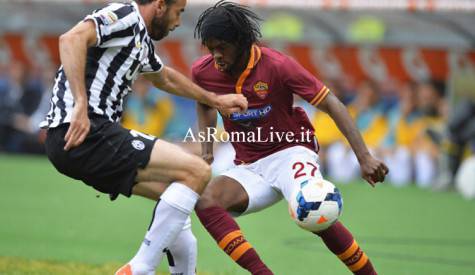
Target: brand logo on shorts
138, 144
147, 242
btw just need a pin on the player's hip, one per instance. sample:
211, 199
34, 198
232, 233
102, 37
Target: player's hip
286, 164
109, 154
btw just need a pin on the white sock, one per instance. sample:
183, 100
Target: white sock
175, 205
182, 253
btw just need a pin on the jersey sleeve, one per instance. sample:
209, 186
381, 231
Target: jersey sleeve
194, 74
114, 24
301, 82
152, 62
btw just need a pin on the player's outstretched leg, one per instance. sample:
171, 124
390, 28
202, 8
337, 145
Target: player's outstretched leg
182, 254
222, 195
187, 176
340, 241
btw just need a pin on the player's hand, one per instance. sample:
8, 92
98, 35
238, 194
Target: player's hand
78, 127
231, 103
209, 158
373, 170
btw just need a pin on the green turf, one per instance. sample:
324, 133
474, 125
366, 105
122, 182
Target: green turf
46, 216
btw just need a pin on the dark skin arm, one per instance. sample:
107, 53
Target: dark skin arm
207, 117
372, 170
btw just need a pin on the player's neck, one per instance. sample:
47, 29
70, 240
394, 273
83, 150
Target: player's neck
147, 14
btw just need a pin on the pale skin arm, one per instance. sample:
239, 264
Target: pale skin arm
73, 51
176, 83
207, 117
372, 170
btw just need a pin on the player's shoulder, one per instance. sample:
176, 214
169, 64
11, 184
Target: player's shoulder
121, 9
274, 56
116, 12
202, 64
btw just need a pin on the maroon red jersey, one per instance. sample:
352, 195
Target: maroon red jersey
269, 83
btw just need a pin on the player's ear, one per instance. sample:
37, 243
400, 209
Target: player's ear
161, 7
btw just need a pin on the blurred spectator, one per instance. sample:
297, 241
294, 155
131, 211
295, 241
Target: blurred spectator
24, 103
147, 109
183, 119
10, 103
459, 133
432, 104
369, 114
405, 124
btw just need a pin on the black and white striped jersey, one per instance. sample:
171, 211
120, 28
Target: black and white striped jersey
124, 49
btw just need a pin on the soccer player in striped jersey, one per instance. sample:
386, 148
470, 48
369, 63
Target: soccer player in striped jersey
101, 57
266, 170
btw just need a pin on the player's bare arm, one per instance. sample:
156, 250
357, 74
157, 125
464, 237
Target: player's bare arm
73, 49
372, 170
176, 83
207, 117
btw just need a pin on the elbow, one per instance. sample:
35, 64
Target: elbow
163, 81
161, 84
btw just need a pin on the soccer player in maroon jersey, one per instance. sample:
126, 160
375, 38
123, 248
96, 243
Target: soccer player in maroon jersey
266, 170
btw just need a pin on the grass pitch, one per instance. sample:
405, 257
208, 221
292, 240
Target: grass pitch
50, 224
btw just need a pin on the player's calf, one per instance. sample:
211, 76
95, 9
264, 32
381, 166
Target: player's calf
222, 195
340, 241
185, 176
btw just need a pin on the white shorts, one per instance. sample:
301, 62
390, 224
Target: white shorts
269, 179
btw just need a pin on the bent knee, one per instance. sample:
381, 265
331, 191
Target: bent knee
224, 193
210, 198
197, 174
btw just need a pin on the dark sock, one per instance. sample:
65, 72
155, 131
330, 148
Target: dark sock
340, 241
222, 227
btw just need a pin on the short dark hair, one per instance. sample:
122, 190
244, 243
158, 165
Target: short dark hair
230, 22
145, 2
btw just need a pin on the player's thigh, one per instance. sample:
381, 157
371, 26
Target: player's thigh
297, 165
260, 193
169, 163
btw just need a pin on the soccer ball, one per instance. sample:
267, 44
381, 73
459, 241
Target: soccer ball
315, 205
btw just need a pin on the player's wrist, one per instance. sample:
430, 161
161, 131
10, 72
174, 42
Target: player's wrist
80, 102
363, 157
211, 99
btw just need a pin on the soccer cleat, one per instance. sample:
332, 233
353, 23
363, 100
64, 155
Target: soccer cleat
125, 270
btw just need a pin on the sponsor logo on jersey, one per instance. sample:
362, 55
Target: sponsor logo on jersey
138, 144
262, 89
251, 114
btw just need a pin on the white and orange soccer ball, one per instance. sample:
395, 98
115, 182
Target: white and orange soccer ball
315, 205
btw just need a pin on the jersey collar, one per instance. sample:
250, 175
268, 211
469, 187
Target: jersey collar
254, 58
137, 10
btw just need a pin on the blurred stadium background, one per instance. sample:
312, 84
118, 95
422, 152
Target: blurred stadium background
405, 69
